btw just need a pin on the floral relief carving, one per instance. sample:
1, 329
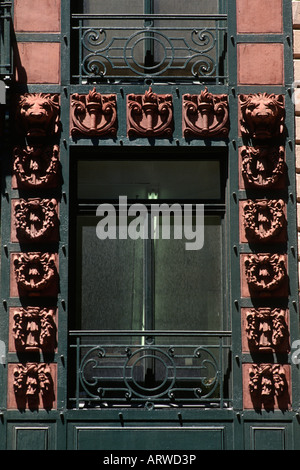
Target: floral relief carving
36, 166
93, 114
149, 115
267, 329
34, 329
36, 219
35, 273
32, 381
262, 167
264, 220
265, 272
262, 115
267, 382
38, 115
205, 115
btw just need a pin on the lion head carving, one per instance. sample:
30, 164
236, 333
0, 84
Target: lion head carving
262, 115
38, 114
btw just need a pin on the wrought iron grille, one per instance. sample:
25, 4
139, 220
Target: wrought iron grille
151, 367
116, 47
5, 39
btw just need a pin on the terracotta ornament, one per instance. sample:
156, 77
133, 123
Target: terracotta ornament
35, 272
262, 115
93, 115
36, 219
263, 166
264, 220
267, 329
149, 115
205, 115
32, 381
265, 272
267, 382
38, 115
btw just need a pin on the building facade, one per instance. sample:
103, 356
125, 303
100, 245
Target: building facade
118, 122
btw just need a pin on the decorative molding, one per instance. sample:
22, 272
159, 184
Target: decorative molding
35, 273
31, 382
205, 115
262, 115
265, 272
34, 329
149, 115
36, 166
267, 330
38, 115
262, 166
267, 382
93, 115
263, 220
36, 219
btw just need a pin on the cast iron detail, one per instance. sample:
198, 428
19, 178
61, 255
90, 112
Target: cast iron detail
267, 329
262, 115
35, 272
34, 329
93, 114
32, 381
264, 220
38, 115
149, 115
36, 166
36, 219
265, 272
263, 166
205, 115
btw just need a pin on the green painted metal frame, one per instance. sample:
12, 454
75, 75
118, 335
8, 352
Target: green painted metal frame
63, 423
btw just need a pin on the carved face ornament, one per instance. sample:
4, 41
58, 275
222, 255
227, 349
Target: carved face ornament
264, 220
262, 166
265, 273
38, 114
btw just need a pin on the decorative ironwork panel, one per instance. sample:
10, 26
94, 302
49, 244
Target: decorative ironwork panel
146, 367
141, 46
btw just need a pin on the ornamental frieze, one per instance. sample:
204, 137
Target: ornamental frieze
264, 220
267, 329
34, 329
35, 273
36, 219
268, 385
149, 115
263, 166
36, 167
33, 385
205, 115
265, 273
38, 115
93, 115
262, 115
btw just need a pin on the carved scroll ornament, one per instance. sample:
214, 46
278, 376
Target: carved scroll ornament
32, 381
264, 220
34, 329
149, 115
205, 115
35, 272
36, 219
262, 115
38, 115
36, 166
267, 329
265, 272
262, 167
267, 381
93, 115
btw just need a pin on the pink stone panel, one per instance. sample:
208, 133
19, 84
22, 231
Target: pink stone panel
38, 62
259, 16
41, 16
260, 64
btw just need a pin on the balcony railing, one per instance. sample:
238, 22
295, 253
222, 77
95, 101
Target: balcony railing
150, 368
5, 39
118, 47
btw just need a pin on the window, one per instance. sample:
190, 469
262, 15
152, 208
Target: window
133, 287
